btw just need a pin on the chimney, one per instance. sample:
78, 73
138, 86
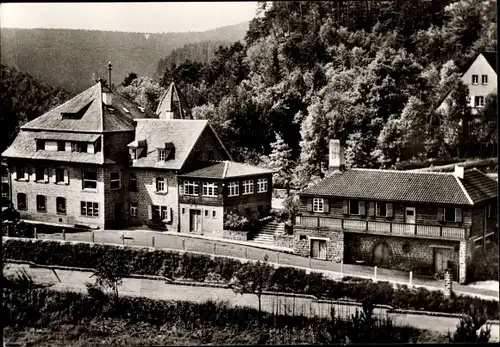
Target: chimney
336, 156
107, 98
109, 76
459, 171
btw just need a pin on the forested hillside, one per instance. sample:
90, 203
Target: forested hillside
23, 98
201, 52
73, 59
369, 73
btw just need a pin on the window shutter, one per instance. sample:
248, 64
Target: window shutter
371, 208
54, 175
46, 175
362, 211
389, 211
440, 215
165, 182
458, 214
26, 173
66, 176
150, 212
345, 206
14, 173
170, 214
309, 205
326, 204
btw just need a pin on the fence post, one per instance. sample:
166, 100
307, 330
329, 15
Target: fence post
153, 241
34, 230
93, 237
246, 252
309, 262
342, 267
123, 240
375, 273
183, 244
64, 234
277, 257
411, 277
214, 248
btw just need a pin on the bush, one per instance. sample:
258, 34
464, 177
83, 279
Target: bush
200, 267
233, 221
485, 265
279, 214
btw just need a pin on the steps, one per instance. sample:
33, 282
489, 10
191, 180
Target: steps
267, 232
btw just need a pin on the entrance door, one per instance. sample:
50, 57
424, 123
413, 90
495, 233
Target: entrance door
381, 255
194, 220
410, 219
442, 258
118, 214
318, 249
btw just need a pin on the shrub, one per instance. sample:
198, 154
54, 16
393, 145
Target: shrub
485, 265
233, 221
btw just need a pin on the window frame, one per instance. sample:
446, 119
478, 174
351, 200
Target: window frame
25, 208
87, 206
132, 209
483, 78
58, 170
58, 199
445, 209
44, 199
115, 180
161, 154
214, 214
133, 153
350, 209
250, 185
59, 146
210, 189
233, 188
378, 209
161, 181
40, 145
21, 173
318, 205
84, 180
190, 184
162, 211
477, 79
479, 101
262, 185
40, 169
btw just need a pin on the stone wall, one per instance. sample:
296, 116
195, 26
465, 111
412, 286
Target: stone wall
235, 235
465, 257
334, 242
284, 241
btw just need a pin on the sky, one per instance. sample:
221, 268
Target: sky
152, 17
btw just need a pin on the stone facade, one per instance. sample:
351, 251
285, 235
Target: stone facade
211, 218
284, 241
235, 235
465, 257
334, 242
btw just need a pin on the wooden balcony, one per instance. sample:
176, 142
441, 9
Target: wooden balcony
384, 228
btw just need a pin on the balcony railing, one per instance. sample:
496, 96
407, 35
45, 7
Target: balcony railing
389, 228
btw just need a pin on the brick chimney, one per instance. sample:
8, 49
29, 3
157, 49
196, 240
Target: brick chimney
459, 171
336, 156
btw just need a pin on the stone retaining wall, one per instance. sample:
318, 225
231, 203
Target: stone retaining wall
235, 235
283, 241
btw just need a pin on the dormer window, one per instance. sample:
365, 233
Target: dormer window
133, 154
161, 155
40, 145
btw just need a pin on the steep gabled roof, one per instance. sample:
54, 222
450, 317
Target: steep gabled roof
173, 101
406, 186
182, 133
91, 115
491, 58
227, 169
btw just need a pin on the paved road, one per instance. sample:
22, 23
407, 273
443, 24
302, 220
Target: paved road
75, 280
224, 248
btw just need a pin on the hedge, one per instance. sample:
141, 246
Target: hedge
172, 264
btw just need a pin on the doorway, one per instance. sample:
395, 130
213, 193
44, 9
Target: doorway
410, 219
318, 249
442, 259
382, 255
194, 220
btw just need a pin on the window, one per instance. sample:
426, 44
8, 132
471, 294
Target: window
115, 180
262, 185
75, 147
318, 205
83, 147
190, 188
133, 154
22, 203
132, 185
161, 185
61, 146
90, 180
183, 210
5, 190
61, 205
381, 208
484, 79
248, 187
133, 210
40, 174
209, 189
214, 214
479, 101
475, 79
40, 145
21, 173
161, 155
206, 213
234, 188
353, 207
449, 214
89, 208
489, 210
62, 176
41, 203
159, 212
211, 155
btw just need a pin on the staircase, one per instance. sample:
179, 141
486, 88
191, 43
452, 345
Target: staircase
266, 233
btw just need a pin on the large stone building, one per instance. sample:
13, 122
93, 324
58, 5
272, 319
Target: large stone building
420, 221
101, 161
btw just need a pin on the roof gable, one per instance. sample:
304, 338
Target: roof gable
491, 58
173, 101
391, 185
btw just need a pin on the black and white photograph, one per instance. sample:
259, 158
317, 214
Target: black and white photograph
249, 173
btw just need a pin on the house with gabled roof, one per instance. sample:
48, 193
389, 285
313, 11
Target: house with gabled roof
415, 221
100, 161
481, 79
